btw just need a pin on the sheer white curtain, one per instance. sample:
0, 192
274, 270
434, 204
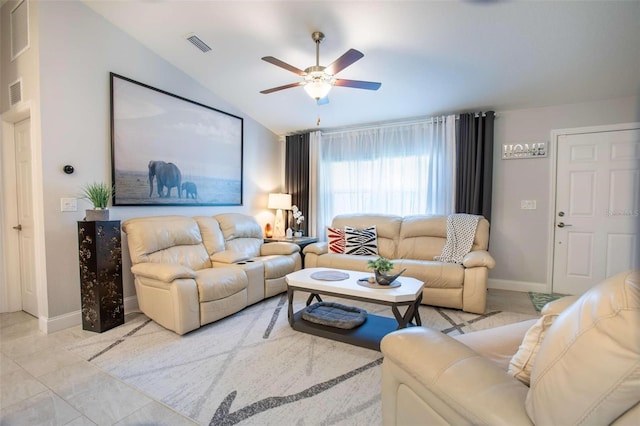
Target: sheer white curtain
398, 169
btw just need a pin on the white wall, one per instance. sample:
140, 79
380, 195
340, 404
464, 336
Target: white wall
78, 49
520, 238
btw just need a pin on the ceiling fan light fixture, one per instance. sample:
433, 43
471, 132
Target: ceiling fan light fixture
317, 89
318, 83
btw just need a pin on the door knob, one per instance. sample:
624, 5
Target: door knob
562, 224
18, 228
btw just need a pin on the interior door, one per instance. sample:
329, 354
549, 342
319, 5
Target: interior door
26, 247
597, 207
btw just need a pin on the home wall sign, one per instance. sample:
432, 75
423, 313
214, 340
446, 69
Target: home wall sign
516, 151
168, 150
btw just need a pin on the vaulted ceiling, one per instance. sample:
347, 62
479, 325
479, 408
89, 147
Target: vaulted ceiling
431, 57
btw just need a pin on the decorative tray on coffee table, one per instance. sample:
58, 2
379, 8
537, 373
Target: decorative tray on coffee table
364, 282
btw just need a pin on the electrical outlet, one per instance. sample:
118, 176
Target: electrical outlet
68, 204
528, 204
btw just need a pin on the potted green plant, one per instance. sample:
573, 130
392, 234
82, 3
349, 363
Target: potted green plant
380, 267
98, 194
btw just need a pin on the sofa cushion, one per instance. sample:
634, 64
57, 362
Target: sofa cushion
433, 274
336, 240
351, 262
219, 283
361, 241
212, 236
277, 266
570, 381
242, 234
166, 239
423, 237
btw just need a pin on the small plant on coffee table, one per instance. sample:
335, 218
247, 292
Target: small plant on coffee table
381, 264
380, 267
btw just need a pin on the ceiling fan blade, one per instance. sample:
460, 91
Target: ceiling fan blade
286, 86
323, 101
344, 61
357, 84
286, 66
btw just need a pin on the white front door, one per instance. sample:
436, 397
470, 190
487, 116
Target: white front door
597, 207
24, 227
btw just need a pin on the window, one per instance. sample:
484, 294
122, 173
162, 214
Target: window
398, 169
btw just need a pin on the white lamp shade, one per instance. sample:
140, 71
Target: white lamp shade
279, 201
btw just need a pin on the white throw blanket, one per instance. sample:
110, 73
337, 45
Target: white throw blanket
461, 230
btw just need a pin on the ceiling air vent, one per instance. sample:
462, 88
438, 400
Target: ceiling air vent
197, 42
15, 92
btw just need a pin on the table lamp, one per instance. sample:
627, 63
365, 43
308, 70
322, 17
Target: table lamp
279, 202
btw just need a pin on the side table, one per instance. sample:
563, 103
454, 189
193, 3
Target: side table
100, 275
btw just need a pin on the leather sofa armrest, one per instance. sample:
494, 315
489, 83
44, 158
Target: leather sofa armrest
452, 378
166, 272
555, 307
478, 258
228, 256
317, 248
281, 247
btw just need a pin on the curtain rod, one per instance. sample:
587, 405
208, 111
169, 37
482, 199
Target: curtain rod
382, 124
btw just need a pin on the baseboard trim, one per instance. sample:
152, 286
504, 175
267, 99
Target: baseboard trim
523, 286
72, 319
60, 322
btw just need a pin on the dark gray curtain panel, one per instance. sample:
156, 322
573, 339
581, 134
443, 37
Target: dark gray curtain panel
296, 176
474, 164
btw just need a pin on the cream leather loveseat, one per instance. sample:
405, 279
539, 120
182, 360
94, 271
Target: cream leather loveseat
412, 242
583, 356
190, 271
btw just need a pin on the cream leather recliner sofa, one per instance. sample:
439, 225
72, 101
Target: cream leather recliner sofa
584, 367
412, 242
191, 271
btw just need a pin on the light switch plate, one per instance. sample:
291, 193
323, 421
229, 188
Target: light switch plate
68, 204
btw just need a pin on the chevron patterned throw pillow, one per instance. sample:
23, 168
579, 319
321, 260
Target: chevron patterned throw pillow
361, 242
335, 237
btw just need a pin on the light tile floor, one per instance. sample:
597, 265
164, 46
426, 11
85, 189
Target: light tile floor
41, 383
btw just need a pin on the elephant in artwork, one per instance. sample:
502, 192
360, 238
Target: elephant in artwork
191, 190
167, 176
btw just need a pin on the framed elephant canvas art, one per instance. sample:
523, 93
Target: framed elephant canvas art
168, 150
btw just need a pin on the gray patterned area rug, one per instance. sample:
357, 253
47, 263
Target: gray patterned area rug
253, 369
540, 299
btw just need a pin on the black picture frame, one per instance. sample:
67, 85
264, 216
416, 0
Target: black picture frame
157, 136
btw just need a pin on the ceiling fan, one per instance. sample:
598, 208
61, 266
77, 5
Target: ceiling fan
318, 80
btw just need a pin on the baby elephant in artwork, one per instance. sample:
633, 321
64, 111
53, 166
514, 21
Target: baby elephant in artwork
191, 190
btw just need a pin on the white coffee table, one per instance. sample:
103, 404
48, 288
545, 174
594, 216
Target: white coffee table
369, 334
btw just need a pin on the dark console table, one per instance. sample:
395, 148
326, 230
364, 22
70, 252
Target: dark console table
101, 293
